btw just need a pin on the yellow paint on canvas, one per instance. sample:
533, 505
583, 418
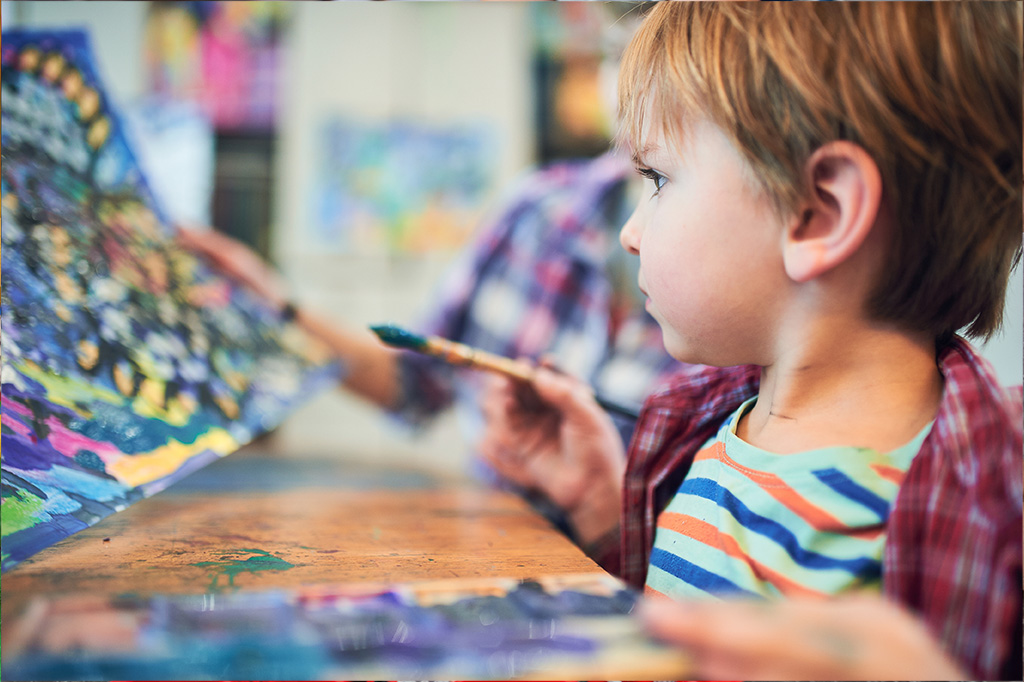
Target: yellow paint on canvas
67, 391
134, 470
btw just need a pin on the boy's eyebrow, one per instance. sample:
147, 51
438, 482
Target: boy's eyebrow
639, 154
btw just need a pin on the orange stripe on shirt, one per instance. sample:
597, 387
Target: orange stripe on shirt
654, 594
704, 532
889, 473
815, 516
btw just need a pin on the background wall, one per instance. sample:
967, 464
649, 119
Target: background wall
439, 63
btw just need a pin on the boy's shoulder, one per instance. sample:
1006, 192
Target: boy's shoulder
977, 438
954, 532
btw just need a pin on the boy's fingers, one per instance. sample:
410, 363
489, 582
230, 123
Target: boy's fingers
492, 390
717, 653
569, 395
548, 362
504, 455
528, 400
795, 639
554, 387
501, 409
733, 628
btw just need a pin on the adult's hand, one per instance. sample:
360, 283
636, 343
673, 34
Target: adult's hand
559, 441
859, 637
372, 368
237, 261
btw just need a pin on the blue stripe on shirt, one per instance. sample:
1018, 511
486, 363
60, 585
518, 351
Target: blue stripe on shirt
847, 487
775, 531
695, 575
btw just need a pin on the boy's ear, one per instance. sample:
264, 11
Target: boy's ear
846, 192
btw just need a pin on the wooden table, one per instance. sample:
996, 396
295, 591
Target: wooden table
250, 524
253, 522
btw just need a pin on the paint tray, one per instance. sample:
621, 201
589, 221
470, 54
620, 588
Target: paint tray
565, 627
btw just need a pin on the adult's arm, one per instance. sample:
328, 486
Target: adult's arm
371, 368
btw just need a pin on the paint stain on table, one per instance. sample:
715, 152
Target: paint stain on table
231, 564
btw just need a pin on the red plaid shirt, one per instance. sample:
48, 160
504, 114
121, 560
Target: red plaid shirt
953, 553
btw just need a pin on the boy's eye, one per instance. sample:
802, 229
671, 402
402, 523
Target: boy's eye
655, 176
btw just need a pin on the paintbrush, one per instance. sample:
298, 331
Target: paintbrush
456, 353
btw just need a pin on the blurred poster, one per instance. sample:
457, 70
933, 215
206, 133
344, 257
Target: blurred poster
224, 55
399, 187
575, 68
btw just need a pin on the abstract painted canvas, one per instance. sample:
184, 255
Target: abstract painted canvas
127, 362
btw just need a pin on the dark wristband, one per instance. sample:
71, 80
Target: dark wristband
289, 311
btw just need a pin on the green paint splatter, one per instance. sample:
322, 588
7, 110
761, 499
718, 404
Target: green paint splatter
231, 566
19, 511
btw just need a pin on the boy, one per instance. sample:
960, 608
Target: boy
836, 192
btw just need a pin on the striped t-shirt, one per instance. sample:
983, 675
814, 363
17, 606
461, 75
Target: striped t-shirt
753, 523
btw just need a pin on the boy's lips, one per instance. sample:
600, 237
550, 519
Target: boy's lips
647, 299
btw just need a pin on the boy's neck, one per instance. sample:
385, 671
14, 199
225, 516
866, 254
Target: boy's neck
847, 385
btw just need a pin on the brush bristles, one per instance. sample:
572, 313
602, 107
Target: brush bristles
399, 338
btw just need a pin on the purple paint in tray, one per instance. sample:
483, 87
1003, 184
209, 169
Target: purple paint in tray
407, 632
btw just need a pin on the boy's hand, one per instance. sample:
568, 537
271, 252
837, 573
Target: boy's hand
558, 441
236, 260
861, 637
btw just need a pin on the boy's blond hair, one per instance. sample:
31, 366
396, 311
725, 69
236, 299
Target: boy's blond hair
931, 90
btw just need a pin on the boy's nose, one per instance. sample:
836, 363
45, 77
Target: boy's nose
629, 235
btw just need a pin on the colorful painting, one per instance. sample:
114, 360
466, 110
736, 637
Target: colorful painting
127, 362
400, 187
570, 627
224, 56
575, 67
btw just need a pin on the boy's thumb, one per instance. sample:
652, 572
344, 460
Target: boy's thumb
562, 391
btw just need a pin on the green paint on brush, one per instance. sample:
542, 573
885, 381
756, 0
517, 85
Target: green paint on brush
229, 566
20, 511
397, 337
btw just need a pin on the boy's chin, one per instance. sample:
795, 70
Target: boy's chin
698, 354
684, 352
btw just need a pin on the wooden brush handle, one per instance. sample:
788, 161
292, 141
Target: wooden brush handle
461, 354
